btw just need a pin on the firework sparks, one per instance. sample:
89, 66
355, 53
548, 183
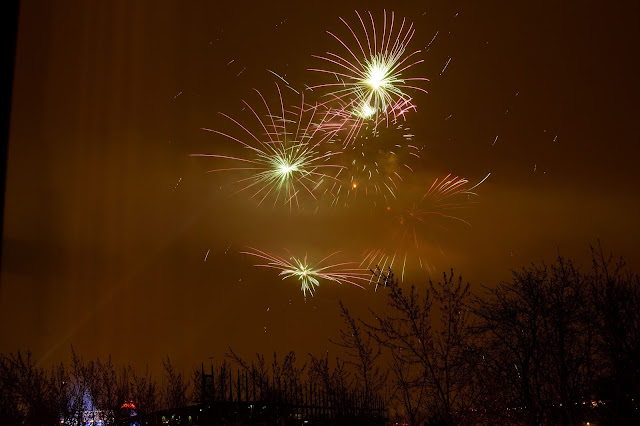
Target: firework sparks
285, 157
370, 76
413, 225
309, 274
375, 170
347, 120
344, 121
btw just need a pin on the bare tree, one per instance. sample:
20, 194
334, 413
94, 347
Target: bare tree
106, 393
362, 354
512, 328
292, 373
429, 366
615, 299
60, 384
80, 394
537, 343
258, 371
568, 337
456, 347
410, 387
27, 397
195, 396
332, 381
175, 389
144, 393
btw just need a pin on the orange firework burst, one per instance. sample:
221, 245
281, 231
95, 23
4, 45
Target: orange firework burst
411, 225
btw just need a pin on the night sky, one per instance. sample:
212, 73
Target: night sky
108, 220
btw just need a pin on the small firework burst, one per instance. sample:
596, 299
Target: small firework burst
369, 74
309, 274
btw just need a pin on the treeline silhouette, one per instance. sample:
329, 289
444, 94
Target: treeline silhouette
557, 344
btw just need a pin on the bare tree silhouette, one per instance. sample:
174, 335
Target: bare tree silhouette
430, 366
362, 353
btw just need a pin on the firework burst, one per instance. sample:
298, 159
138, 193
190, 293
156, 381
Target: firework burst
370, 73
345, 121
287, 155
412, 225
375, 169
309, 274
